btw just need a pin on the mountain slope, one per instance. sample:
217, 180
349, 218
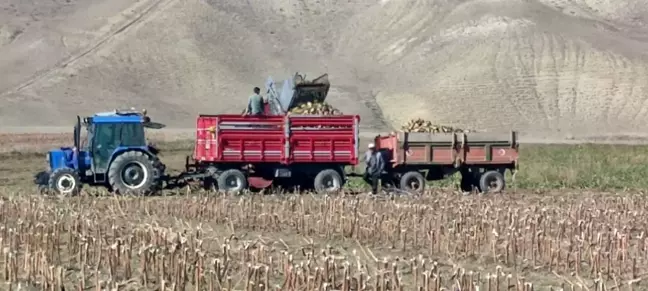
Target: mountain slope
560, 68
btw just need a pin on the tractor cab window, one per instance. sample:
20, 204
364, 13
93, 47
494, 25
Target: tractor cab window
110, 136
131, 134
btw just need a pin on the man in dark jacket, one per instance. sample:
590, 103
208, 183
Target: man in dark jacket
375, 167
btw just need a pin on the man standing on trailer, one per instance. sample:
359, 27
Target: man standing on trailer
255, 103
375, 167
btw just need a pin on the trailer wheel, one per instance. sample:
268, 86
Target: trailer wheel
65, 181
132, 172
328, 181
492, 181
412, 181
232, 181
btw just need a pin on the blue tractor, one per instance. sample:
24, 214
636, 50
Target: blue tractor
113, 153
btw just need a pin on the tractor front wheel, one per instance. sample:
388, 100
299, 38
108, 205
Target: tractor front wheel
132, 172
65, 181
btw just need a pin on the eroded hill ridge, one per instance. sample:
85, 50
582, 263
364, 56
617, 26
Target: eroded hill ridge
563, 68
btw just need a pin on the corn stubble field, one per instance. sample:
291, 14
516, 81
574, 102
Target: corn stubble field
572, 241
529, 238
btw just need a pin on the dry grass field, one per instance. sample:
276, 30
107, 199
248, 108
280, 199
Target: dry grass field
536, 236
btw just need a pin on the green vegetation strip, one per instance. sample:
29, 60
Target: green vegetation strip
557, 166
587, 166
583, 166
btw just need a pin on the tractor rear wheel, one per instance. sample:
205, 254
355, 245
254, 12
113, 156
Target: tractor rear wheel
132, 172
158, 172
65, 181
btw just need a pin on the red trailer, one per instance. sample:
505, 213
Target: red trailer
245, 151
481, 158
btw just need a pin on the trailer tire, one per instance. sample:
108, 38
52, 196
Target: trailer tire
492, 182
328, 181
408, 178
132, 167
232, 181
65, 181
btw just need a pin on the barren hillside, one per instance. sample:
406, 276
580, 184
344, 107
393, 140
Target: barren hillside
566, 68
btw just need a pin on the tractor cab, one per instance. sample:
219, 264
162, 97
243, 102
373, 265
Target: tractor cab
113, 151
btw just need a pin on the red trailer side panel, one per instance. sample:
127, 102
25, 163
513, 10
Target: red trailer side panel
236, 138
475, 154
442, 155
502, 154
277, 139
324, 139
446, 149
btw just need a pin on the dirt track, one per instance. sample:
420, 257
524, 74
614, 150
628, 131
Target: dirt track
553, 69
